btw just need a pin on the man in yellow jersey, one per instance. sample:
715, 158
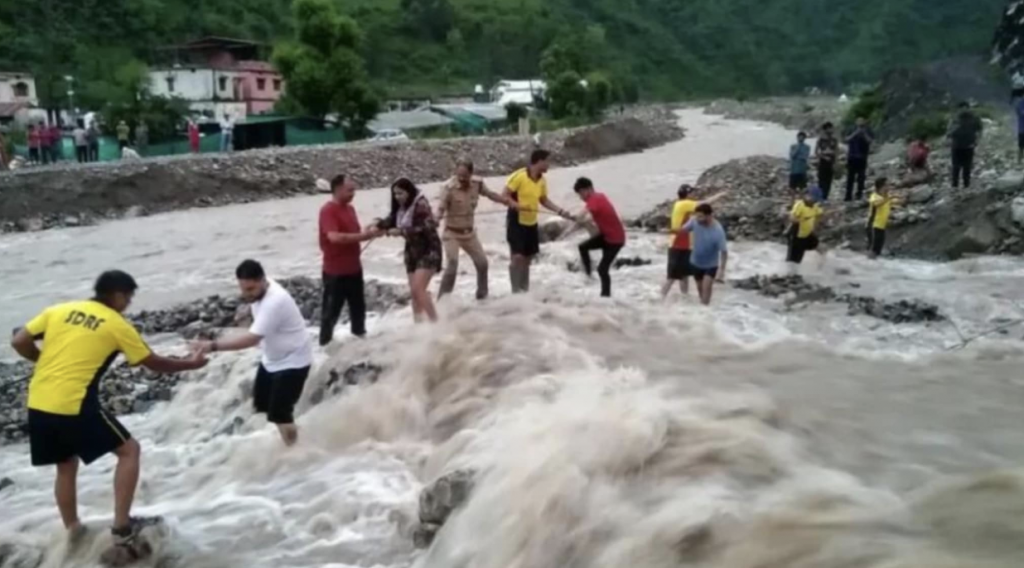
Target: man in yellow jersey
65, 420
881, 203
680, 244
804, 218
529, 190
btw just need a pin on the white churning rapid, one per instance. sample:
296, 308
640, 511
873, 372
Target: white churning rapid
604, 433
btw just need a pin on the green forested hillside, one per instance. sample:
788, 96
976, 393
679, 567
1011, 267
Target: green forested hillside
671, 48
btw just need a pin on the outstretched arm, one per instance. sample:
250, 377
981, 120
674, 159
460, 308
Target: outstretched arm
160, 364
237, 342
548, 204
715, 197
504, 199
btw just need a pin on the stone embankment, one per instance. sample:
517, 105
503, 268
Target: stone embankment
72, 194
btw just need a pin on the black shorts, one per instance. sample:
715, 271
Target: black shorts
522, 239
1020, 141
797, 181
702, 273
876, 240
678, 264
275, 394
56, 438
798, 246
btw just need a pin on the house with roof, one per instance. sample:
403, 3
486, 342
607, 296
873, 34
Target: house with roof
18, 96
518, 92
218, 76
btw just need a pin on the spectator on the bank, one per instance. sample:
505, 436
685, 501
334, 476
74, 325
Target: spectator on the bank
799, 158
81, 143
34, 144
917, 155
193, 136
92, 136
1018, 107
3, 152
858, 150
45, 143
964, 132
826, 150
122, 135
142, 137
227, 129
56, 140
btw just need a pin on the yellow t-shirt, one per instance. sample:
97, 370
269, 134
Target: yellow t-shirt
807, 217
527, 193
681, 213
881, 208
80, 340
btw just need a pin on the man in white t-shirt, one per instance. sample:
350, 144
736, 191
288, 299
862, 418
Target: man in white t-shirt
279, 328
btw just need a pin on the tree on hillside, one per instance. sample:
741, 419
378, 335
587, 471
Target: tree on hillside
576, 84
322, 67
125, 96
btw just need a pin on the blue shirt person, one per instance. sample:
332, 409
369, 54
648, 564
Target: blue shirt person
710, 251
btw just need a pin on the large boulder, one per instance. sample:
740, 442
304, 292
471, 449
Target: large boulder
920, 195
981, 235
438, 501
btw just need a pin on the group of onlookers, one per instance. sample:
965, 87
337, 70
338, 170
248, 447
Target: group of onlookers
964, 133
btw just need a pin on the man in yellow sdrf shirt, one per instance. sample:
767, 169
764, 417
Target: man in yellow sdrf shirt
528, 189
66, 423
881, 203
804, 218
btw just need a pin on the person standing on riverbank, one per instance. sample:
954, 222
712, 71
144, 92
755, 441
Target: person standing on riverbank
611, 235
340, 240
34, 145
193, 136
1018, 108
804, 218
799, 158
279, 328
123, 132
81, 144
92, 136
858, 151
457, 209
826, 150
529, 189
56, 140
66, 422
680, 243
881, 203
964, 132
710, 251
142, 138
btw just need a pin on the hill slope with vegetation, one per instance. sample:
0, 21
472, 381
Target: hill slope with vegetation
667, 48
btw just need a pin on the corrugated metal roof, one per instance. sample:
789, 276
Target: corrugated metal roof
491, 112
408, 120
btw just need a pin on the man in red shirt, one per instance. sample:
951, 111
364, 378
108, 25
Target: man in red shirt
340, 238
611, 235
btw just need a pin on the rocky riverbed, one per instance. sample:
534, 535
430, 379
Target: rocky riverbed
73, 194
795, 290
127, 390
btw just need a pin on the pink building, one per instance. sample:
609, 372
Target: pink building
218, 76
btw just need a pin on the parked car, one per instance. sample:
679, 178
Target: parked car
390, 135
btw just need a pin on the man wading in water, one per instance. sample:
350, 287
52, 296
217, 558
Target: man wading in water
528, 188
277, 326
610, 238
66, 423
459, 198
680, 245
340, 241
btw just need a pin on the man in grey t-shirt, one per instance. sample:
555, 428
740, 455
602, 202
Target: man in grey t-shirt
710, 252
